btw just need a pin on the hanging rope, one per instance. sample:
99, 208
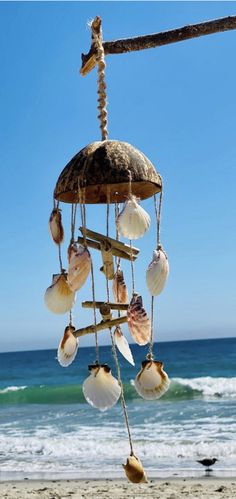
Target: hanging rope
73, 222
101, 65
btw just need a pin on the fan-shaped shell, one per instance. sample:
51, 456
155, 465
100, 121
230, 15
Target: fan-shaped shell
133, 220
152, 381
58, 297
68, 347
119, 288
101, 389
134, 470
55, 226
157, 272
79, 266
138, 321
123, 345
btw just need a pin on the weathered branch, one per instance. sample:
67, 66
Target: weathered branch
102, 325
98, 304
97, 246
159, 39
113, 242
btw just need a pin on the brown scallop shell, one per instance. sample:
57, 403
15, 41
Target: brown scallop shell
138, 321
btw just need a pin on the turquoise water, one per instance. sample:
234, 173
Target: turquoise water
47, 428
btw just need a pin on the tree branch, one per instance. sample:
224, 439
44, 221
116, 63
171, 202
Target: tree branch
158, 39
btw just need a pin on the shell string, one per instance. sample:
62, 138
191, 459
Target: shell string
83, 222
123, 403
73, 221
117, 259
101, 65
56, 206
132, 267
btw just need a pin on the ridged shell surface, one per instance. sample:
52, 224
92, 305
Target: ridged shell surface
58, 297
68, 347
157, 272
134, 470
133, 221
152, 381
123, 345
101, 389
119, 288
55, 226
79, 266
138, 321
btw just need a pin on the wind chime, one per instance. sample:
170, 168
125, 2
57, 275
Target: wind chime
109, 172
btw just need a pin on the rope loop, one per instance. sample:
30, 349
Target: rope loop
101, 66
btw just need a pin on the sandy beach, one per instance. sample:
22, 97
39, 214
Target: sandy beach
208, 488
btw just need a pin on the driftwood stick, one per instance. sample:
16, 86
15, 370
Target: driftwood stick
158, 39
98, 304
105, 311
100, 326
114, 243
115, 251
107, 258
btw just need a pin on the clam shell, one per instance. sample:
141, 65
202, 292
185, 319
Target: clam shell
58, 297
123, 345
68, 347
101, 389
138, 321
133, 220
152, 381
134, 470
79, 266
55, 226
119, 288
157, 272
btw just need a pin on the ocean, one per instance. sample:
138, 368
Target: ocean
47, 430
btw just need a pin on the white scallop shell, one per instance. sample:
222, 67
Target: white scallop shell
68, 347
119, 288
138, 322
133, 221
134, 470
101, 389
151, 382
157, 272
79, 266
58, 297
123, 345
55, 226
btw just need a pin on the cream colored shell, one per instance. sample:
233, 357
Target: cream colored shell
123, 345
101, 389
68, 347
79, 266
157, 272
134, 470
152, 381
58, 297
133, 221
55, 226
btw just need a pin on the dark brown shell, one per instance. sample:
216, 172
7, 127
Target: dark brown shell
102, 170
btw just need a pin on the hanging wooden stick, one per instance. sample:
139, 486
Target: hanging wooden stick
156, 39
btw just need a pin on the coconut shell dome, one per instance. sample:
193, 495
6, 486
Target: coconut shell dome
102, 170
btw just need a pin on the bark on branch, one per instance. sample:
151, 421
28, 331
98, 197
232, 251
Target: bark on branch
158, 39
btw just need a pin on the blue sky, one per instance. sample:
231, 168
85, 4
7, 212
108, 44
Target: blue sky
175, 103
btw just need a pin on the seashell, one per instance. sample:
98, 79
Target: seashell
138, 321
55, 226
123, 345
119, 288
58, 297
133, 220
79, 266
134, 470
157, 272
152, 381
68, 347
101, 389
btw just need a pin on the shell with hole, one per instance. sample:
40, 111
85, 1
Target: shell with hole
101, 389
119, 288
157, 272
152, 381
134, 470
68, 347
138, 322
133, 221
58, 297
55, 226
79, 266
123, 345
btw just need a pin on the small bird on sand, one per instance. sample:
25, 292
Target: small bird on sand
208, 462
